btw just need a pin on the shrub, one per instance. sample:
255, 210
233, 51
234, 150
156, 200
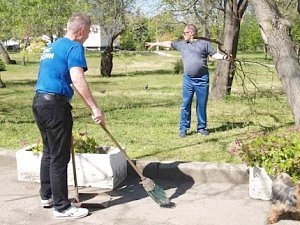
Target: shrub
2, 66
85, 144
178, 66
276, 152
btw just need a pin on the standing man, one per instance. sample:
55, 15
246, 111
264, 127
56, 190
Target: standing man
194, 54
62, 65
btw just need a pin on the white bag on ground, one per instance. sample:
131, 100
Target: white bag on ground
260, 184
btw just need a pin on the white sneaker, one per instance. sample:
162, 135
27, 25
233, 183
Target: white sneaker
48, 203
72, 213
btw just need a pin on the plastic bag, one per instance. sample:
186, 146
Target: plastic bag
260, 184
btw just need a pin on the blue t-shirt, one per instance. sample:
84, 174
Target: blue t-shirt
194, 56
55, 64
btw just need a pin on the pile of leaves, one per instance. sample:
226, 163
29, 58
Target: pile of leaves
276, 152
81, 141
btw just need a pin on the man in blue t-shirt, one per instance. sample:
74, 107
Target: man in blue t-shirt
62, 67
194, 54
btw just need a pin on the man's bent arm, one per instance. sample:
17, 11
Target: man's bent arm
81, 86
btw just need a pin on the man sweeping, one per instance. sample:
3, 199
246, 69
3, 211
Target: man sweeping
62, 64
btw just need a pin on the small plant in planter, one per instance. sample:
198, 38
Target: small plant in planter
82, 144
105, 170
275, 152
85, 144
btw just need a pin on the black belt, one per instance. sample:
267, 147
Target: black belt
52, 97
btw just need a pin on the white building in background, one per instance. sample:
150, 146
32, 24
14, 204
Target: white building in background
12, 44
97, 39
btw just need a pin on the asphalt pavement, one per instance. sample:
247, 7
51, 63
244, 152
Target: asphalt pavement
201, 194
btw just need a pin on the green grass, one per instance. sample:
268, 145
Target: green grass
145, 122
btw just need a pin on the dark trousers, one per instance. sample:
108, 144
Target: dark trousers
54, 119
191, 85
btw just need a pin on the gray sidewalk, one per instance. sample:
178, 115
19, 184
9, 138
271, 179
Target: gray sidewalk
203, 194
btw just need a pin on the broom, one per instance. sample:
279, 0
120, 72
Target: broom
152, 189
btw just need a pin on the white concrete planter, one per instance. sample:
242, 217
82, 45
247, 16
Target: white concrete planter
260, 184
93, 170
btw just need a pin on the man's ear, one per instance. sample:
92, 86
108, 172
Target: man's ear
80, 32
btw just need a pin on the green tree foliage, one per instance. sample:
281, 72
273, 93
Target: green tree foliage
161, 27
295, 23
24, 19
111, 16
289, 9
7, 21
250, 37
165, 27
135, 35
43, 17
204, 14
27, 19
53, 16
127, 40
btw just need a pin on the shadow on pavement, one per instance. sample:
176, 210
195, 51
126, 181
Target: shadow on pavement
167, 176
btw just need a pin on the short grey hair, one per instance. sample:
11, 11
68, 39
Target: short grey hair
77, 21
193, 28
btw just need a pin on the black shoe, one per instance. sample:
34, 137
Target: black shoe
203, 132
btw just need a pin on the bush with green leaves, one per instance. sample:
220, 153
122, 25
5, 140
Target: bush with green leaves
276, 152
2, 66
178, 66
82, 144
85, 144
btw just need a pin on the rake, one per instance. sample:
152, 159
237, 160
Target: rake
97, 200
152, 189
74, 171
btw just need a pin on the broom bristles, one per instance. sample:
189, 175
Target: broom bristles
159, 196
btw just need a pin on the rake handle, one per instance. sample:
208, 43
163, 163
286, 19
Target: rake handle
74, 170
126, 156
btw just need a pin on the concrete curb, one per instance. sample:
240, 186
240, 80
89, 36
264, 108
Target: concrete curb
196, 172
9, 153
202, 172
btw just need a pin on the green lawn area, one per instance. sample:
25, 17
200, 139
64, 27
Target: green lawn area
145, 122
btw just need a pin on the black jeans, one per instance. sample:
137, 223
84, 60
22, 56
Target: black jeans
54, 119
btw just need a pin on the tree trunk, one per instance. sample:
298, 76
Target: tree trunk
266, 51
276, 33
107, 62
112, 31
5, 55
224, 75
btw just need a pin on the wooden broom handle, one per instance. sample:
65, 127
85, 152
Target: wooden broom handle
126, 156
